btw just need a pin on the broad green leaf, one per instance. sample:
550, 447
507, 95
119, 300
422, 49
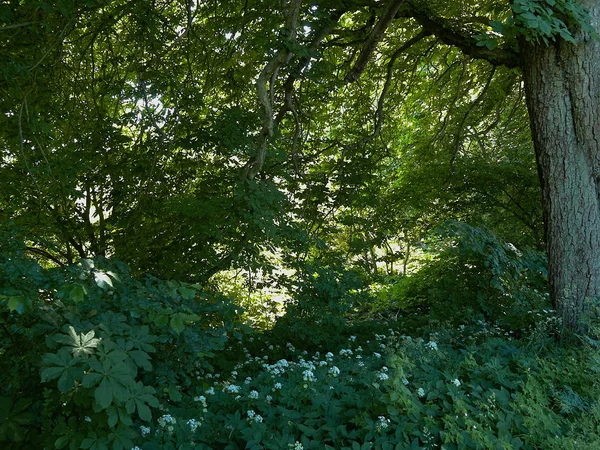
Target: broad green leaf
141, 359
187, 293
62, 366
77, 293
18, 303
103, 394
176, 322
103, 281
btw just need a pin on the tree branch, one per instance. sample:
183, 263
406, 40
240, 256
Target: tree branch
467, 44
373, 39
268, 76
45, 254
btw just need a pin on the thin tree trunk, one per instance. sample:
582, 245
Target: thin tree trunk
562, 83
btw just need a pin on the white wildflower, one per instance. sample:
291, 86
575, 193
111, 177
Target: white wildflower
333, 371
233, 389
431, 345
193, 424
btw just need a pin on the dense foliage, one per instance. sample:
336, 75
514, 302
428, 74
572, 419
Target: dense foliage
265, 224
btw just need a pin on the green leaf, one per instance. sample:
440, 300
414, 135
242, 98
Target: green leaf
91, 379
141, 359
18, 303
77, 293
187, 293
103, 394
113, 416
62, 441
102, 280
176, 323
64, 366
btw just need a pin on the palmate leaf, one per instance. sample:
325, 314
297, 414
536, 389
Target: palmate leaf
62, 366
141, 397
141, 339
114, 377
141, 359
80, 343
122, 438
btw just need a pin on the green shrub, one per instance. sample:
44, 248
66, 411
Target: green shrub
109, 348
472, 273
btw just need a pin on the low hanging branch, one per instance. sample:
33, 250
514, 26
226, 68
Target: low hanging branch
265, 95
288, 86
373, 39
388, 78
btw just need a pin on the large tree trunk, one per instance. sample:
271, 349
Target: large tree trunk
562, 83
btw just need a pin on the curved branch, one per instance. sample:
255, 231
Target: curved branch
467, 44
45, 254
373, 40
268, 76
388, 78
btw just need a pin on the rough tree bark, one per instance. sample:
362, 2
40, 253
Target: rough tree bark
562, 83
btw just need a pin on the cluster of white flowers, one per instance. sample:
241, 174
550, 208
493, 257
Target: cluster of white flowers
296, 446
277, 386
253, 417
278, 368
167, 421
431, 345
377, 355
233, 389
333, 371
329, 356
201, 399
87, 419
144, 430
456, 382
421, 392
135, 448
248, 380
253, 394
193, 424
308, 375
210, 391
380, 337
352, 338
404, 381
306, 364
382, 422
382, 376
345, 352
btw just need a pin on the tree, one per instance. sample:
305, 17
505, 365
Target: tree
561, 77
557, 53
